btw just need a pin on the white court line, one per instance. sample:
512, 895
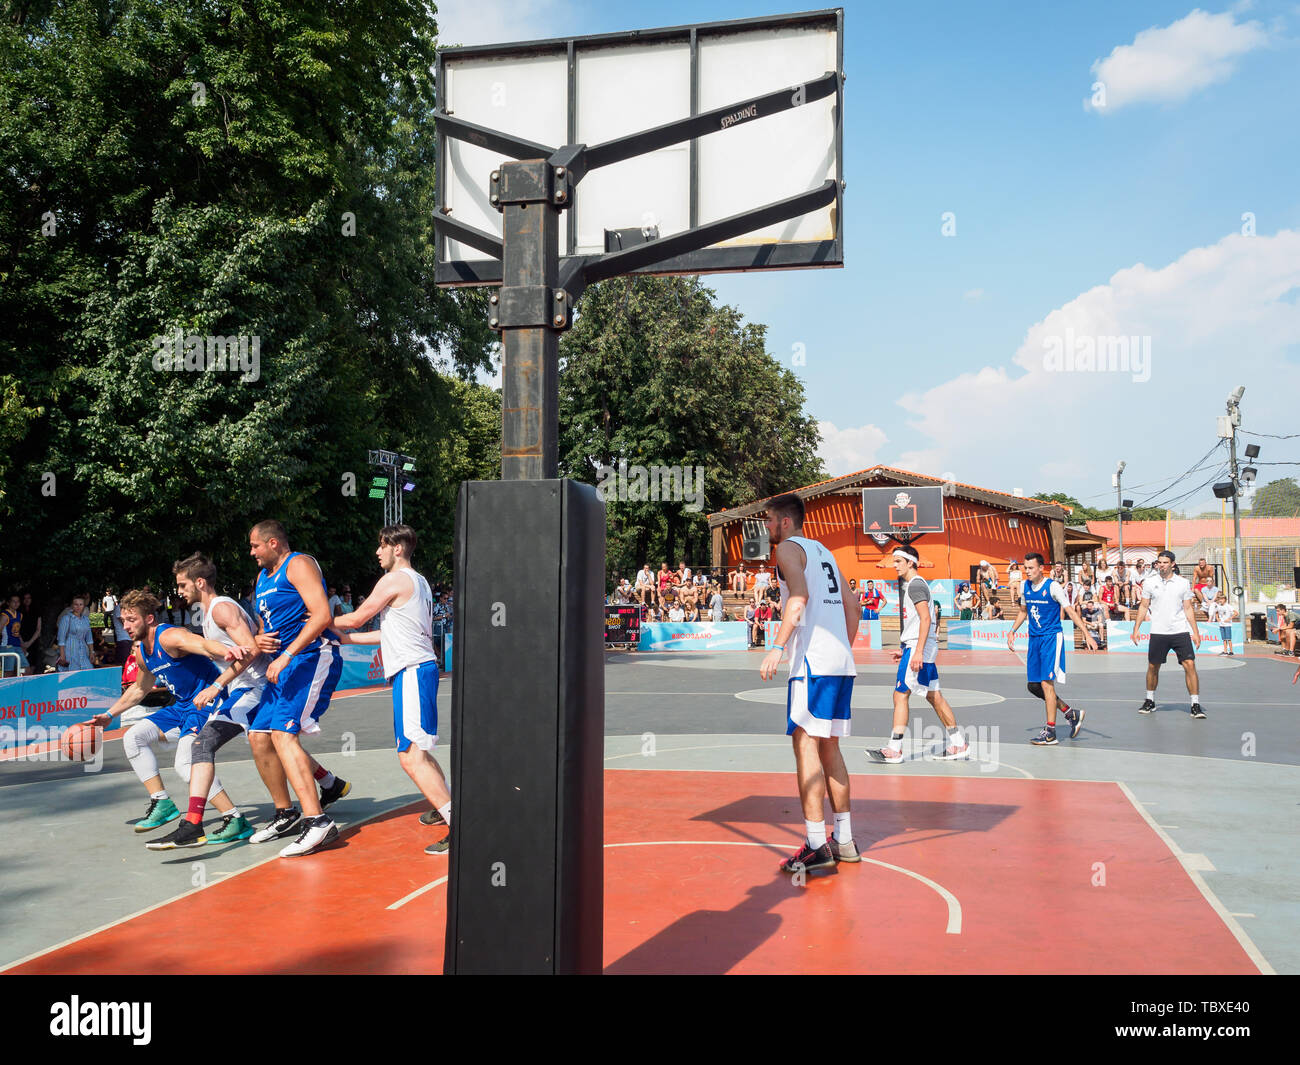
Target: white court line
1252, 951
954, 907
417, 893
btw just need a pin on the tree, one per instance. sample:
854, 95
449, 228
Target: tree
654, 373
1277, 499
261, 169
1081, 514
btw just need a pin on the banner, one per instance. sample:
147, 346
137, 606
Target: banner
699, 636
1120, 637
992, 636
943, 590
54, 701
363, 665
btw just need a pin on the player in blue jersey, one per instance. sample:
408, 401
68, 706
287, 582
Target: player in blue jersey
293, 615
404, 604
186, 663
1042, 600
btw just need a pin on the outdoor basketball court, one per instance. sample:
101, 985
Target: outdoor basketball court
1149, 845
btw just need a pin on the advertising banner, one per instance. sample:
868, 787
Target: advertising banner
1120, 637
992, 636
943, 590
700, 636
52, 702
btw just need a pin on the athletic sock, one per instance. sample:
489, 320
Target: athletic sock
160, 795
1064, 707
445, 810
896, 741
195, 815
843, 828
1196, 700
324, 777
1151, 696
816, 833
954, 734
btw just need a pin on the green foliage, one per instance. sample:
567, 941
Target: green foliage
655, 373
1081, 514
251, 168
1277, 499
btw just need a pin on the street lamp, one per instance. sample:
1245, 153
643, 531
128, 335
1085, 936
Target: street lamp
1235, 486
1119, 511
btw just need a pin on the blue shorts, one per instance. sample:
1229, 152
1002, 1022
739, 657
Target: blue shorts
1046, 658
821, 706
181, 717
302, 694
926, 679
870, 615
415, 706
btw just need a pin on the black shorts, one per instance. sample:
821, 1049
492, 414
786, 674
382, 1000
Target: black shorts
1160, 645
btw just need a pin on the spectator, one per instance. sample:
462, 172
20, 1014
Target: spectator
1015, 579
692, 612
1140, 574
762, 579
762, 615
665, 581
30, 631
750, 612
874, 599
676, 614
1285, 629
965, 602
738, 578
684, 577
623, 594
987, 581
1103, 571
645, 584
1225, 614
994, 609
1202, 578
715, 604
1086, 574
75, 641
11, 638
1094, 619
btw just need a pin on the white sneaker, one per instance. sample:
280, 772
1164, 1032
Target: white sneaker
312, 837
284, 822
885, 754
951, 752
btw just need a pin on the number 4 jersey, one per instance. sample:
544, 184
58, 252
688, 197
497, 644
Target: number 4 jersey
820, 646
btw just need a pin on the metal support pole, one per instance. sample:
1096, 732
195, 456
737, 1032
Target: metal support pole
526, 309
1119, 513
1236, 524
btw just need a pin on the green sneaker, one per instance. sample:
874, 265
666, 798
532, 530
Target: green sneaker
232, 830
160, 812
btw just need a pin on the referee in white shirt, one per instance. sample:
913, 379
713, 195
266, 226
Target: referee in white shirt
1171, 602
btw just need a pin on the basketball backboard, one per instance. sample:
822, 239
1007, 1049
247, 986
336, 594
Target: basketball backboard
901, 513
595, 90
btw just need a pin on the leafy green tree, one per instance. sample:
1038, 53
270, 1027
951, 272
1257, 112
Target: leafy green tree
656, 373
256, 168
1277, 499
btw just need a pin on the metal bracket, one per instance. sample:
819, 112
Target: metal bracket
530, 307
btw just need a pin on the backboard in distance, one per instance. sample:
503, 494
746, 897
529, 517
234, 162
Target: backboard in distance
902, 511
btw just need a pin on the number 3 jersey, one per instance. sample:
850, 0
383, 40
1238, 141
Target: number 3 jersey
820, 645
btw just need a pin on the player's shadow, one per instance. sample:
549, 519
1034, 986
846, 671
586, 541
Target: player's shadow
715, 941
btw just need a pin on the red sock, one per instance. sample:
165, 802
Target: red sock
195, 816
1063, 707
321, 772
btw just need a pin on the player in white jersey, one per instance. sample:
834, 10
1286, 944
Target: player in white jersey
918, 649
233, 694
818, 624
405, 607
1170, 600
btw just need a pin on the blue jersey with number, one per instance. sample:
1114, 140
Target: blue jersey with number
186, 676
280, 605
1044, 611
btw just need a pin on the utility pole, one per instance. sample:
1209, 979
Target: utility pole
1234, 422
1119, 507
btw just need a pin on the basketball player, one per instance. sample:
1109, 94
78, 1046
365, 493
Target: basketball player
186, 663
293, 614
225, 622
822, 621
1041, 601
405, 607
916, 654
1172, 604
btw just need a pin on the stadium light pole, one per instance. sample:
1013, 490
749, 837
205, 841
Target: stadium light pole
1119, 505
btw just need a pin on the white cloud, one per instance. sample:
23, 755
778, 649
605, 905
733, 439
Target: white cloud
1169, 63
503, 21
973, 294
1219, 316
849, 450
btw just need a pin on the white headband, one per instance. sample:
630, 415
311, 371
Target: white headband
900, 553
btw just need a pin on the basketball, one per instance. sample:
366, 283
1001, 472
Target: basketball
81, 742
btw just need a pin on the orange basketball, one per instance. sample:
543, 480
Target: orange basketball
81, 742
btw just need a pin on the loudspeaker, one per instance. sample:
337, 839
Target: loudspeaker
525, 890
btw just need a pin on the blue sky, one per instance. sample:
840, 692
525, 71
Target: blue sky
931, 352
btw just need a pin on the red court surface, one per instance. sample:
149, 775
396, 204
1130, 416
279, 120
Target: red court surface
978, 875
